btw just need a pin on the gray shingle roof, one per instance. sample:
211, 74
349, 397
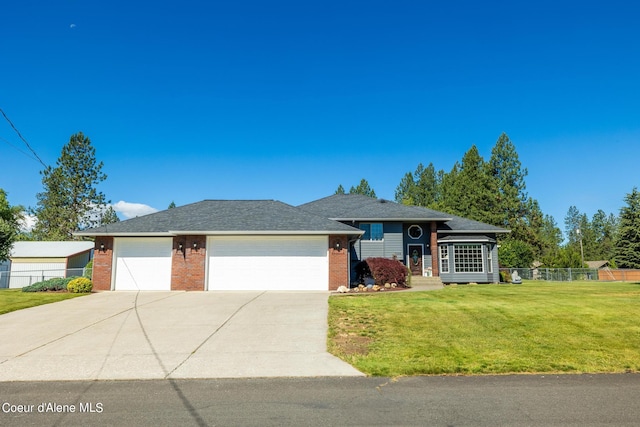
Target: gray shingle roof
462, 225
347, 207
359, 208
226, 217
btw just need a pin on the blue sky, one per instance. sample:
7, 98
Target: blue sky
285, 100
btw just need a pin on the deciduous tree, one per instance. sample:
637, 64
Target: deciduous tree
10, 217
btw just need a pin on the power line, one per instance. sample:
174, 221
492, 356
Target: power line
9, 143
22, 138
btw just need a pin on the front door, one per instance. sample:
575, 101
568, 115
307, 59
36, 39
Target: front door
415, 259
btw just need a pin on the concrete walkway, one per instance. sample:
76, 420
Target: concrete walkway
155, 335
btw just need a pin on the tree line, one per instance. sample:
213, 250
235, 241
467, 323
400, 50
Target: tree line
494, 192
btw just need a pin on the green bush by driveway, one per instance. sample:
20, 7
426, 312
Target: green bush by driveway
15, 299
489, 329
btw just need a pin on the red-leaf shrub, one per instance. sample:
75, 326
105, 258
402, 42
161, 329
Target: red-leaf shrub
385, 270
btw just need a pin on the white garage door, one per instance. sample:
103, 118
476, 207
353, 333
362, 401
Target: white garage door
143, 263
268, 263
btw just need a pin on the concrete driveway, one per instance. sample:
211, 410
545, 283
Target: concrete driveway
155, 335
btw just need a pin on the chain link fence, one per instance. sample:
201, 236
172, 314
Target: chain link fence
20, 279
570, 274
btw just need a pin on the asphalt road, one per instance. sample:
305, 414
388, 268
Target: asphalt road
527, 400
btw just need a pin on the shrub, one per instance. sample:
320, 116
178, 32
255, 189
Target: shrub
88, 270
80, 285
55, 284
505, 277
385, 270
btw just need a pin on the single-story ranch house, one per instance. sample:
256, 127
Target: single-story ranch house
270, 245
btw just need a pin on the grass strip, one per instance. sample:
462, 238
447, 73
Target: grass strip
537, 327
15, 299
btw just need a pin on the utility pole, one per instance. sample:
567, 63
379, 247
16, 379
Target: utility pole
581, 250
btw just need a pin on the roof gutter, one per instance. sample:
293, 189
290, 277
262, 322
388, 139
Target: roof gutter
393, 219
172, 233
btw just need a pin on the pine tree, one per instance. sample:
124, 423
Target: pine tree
511, 197
10, 217
339, 190
109, 216
406, 190
172, 205
363, 188
627, 244
571, 224
474, 188
70, 200
604, 227
427, 184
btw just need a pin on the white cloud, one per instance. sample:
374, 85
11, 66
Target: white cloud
28, 222
132, 210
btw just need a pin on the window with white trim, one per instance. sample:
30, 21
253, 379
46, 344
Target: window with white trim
414, 231
444, 259
372, 231
468, 258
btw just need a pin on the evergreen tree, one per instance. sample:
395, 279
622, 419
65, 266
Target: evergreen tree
550, 237
172, 205
511, 198
109, 216
627, 243
406, 190
474, 189
340, 190
571, 224
10, 217
70, 199
604, 228
449, 192
427, 184
587, 239
363, 188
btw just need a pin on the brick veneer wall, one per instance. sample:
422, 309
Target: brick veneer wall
338, 262
435, 254
102, 264
188, 264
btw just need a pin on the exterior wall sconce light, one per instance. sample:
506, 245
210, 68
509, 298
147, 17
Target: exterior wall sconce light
337, 245
102, 249
180, 248
195, 245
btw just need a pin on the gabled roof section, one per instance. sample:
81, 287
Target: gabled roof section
356, 207
464, 225
49, 249
225, 217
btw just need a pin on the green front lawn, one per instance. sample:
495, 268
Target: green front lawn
15, 299
489, 329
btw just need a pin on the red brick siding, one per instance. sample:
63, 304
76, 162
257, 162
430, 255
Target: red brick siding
102, 264
435, 255
188, 264
338, 262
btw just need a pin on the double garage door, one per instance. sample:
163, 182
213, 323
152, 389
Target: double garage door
234, 263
